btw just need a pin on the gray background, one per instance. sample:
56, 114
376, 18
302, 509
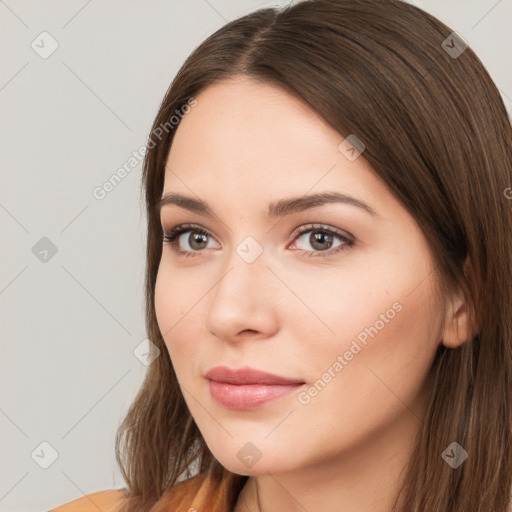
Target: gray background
70, 323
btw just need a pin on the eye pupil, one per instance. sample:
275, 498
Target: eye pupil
194, 238
320, 237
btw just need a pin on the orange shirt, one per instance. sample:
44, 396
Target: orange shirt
197, 494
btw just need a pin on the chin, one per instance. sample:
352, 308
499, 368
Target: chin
241, 469
241, 464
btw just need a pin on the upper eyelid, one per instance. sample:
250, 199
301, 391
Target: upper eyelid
313, 226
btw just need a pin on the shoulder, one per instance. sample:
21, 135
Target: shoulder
204, 492
106, 501
182, 494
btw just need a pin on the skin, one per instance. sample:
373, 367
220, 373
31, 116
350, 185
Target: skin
243, 146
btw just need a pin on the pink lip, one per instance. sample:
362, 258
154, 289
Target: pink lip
247, 375
247, 388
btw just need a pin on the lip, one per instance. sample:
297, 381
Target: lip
247, 375
247, 388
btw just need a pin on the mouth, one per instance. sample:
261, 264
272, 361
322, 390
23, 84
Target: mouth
247, 388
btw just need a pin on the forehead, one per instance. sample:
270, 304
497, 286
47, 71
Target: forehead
242, 118
260, 141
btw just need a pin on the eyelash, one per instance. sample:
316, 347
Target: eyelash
172, 234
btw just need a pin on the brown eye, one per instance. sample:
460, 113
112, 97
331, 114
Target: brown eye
320, 239
196, 240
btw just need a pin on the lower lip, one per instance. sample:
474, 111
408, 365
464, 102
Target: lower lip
248, 396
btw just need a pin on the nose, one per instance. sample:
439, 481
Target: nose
244, 301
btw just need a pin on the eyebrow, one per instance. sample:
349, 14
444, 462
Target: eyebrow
278, 208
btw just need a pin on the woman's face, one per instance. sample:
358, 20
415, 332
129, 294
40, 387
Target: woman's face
347, 307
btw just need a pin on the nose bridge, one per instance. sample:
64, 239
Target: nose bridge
241, 299
244, 268
244, 265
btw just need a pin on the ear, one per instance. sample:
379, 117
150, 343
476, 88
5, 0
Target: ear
457, 329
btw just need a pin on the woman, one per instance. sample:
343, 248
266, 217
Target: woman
328, 273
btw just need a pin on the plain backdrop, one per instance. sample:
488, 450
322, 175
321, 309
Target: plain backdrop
72, 265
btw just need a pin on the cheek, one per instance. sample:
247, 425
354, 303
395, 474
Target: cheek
165, 294
174, 310
380, 356
380, 317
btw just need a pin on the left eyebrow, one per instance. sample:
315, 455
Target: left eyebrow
278, 208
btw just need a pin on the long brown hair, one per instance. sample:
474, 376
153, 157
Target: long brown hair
437, 132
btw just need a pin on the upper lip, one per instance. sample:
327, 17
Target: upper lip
247, 375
